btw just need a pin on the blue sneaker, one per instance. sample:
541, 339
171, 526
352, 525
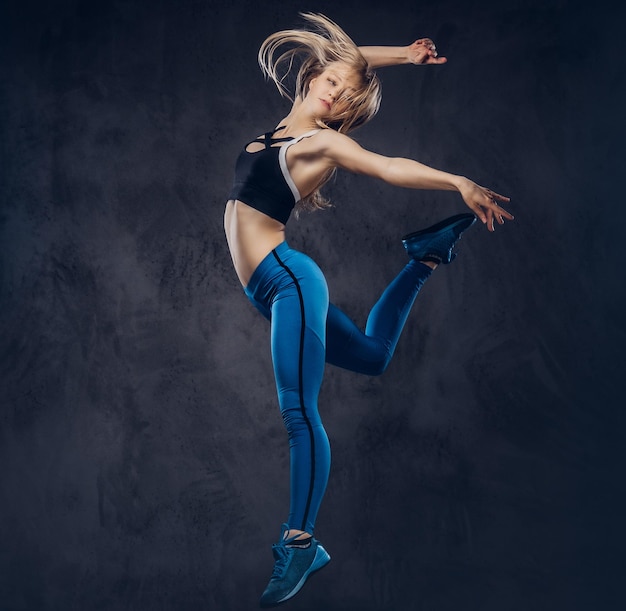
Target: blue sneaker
292, 568
436, 243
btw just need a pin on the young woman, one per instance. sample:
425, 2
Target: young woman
335, 92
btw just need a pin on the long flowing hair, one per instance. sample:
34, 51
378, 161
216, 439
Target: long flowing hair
308, 52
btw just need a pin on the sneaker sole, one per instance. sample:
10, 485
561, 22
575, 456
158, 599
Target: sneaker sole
447, 223
322, 558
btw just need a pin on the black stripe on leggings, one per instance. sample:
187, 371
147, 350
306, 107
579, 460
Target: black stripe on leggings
301, 385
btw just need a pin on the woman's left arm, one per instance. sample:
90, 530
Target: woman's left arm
422, 51
341, 151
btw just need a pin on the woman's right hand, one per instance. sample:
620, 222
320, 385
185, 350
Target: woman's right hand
423, 51
482, 202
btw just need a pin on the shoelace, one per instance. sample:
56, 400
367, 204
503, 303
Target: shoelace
442, 244
281, 554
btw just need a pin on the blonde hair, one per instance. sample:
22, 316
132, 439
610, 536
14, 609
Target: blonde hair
324, 43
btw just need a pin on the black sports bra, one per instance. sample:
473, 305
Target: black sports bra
262, 178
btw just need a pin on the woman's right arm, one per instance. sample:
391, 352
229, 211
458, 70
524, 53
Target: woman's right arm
422, 51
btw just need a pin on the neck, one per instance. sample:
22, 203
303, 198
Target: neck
298, 120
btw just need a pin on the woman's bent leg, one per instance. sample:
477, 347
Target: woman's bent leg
369, 352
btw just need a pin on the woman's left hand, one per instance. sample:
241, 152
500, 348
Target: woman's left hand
482, 202
423, 51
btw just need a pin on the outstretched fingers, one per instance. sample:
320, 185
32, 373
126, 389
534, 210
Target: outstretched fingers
492, 209
485, 204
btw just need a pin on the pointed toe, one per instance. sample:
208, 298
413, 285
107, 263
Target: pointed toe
435, 243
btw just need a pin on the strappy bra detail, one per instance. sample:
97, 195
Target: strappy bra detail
262, 178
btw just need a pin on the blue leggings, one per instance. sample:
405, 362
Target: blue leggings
289, 289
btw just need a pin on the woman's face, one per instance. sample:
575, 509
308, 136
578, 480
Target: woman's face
330, 90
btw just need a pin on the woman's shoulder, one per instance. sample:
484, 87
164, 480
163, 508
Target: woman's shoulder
330, 138
328, 144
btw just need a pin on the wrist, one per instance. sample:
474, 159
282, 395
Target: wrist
406, 55
459, 182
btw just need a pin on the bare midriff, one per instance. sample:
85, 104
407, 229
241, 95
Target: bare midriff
251, 236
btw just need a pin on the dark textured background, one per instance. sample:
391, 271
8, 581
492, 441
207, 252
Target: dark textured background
143, 463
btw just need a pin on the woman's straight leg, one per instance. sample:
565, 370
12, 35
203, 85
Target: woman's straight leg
295, 293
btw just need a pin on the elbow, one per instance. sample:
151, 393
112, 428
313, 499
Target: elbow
392, 172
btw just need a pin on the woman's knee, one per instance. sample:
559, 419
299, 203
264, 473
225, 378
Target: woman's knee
298, 420
379, 366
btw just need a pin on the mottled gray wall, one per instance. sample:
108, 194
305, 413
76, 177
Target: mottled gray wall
143, 463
